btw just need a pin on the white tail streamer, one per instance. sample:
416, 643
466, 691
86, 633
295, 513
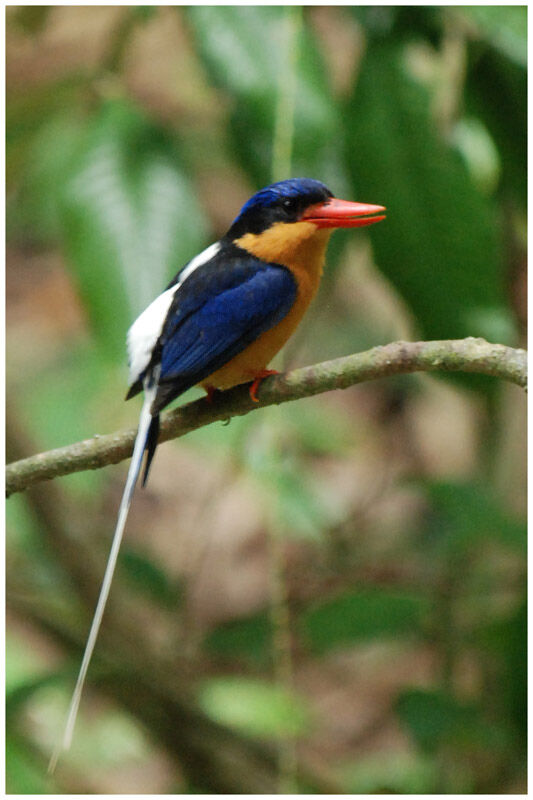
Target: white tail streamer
133, 474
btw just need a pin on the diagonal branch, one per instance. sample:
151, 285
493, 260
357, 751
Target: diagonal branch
461, 355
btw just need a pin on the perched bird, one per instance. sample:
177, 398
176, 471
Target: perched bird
222, 319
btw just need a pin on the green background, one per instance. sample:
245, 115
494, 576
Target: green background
324, 597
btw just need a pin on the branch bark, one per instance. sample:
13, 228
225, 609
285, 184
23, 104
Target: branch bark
461, 355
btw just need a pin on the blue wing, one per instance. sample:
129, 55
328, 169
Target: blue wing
220, 309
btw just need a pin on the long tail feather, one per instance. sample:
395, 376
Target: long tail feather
151, 444
145, 423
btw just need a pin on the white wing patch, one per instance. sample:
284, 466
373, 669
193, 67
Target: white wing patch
197, 261
146, 330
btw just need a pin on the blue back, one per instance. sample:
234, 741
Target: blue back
221, 308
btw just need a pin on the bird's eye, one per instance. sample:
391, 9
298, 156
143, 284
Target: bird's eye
291, 205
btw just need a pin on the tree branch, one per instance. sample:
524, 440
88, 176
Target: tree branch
461, 355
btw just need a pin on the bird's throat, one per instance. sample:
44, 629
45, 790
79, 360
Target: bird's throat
300, 246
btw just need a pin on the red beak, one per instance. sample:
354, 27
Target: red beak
336, 213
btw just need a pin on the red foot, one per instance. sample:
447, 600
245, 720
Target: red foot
210, 392
257, 380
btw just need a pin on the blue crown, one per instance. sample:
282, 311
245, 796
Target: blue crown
289, 189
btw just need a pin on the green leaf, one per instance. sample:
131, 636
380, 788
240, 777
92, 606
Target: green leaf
148, 577
479, 152
399, 22
505, 642
468, 513
434, 718
41, 144
356, 616
21, 666
298, 504
32, 19
25, 689
81, 376
130, 219
504, 26
253, 707
243, 49
314, 431
22, 529
440, 244
496, 90
25, 773
399, 773
299, 508
248, 638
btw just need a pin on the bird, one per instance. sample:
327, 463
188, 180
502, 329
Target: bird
219, 323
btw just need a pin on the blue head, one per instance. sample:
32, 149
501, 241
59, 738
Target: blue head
284, 201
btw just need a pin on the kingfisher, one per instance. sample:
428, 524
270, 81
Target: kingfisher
221, 320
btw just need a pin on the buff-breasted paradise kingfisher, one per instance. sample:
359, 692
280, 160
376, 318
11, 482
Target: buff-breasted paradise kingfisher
220, 322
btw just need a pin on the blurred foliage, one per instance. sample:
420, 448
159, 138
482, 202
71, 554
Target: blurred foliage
238, 45
133, 134
362, 615
442, 243
253, 707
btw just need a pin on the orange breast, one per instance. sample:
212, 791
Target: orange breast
301, 248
